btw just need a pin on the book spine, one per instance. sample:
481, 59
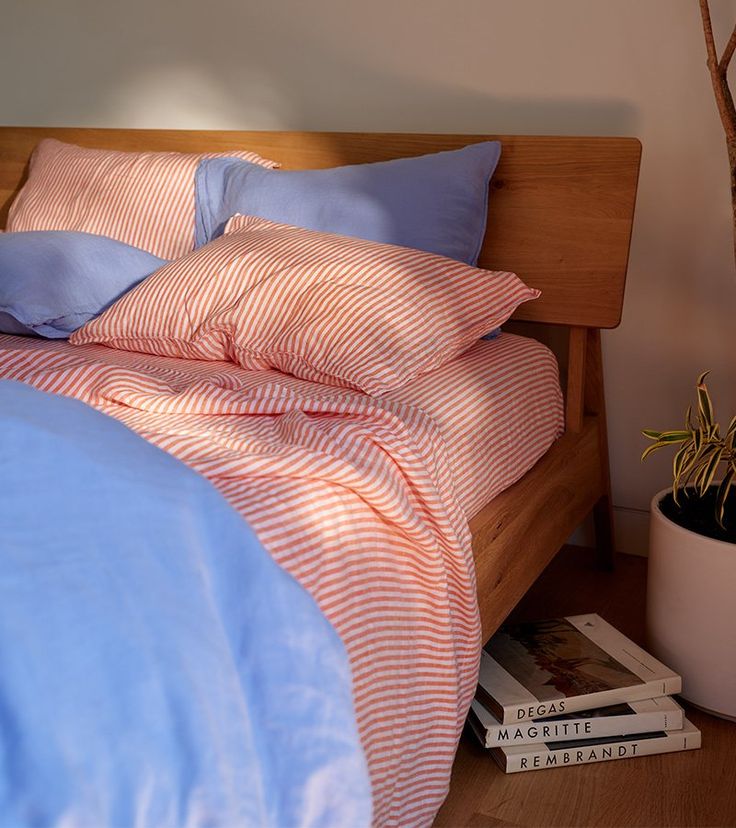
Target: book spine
594, 728
516, 714
487, 700
585, 755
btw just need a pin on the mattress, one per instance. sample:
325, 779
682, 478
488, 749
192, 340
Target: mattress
364, 501
499, 408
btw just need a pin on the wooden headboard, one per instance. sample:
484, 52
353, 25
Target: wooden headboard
560, 211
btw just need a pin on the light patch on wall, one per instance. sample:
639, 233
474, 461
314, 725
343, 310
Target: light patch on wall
188, 97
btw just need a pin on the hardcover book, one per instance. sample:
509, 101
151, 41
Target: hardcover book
563, 665
647, 716
585, 751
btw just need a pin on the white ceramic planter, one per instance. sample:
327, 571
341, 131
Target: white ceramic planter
691, 611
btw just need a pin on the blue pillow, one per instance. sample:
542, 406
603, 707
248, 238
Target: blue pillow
52, 282
436, 203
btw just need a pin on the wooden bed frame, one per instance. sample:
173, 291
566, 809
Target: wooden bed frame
560, 215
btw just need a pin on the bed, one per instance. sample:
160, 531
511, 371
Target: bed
560, 215
150, 650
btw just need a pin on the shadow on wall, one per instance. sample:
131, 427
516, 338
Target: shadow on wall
258, 66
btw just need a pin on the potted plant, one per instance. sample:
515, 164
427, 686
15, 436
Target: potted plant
691, 610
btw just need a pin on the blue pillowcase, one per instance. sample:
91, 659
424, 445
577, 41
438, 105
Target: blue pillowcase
436, 203
52, 282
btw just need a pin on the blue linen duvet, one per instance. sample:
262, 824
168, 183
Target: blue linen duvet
157, 668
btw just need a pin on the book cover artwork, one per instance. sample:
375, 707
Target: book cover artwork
554, 660
562, 665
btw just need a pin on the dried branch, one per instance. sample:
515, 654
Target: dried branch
727, 53
718, 73
724, 100
710, 43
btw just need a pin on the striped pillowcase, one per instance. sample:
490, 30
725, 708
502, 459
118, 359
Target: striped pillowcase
145, 199
326, 308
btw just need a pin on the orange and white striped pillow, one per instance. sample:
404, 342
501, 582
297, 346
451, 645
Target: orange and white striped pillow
145, 199
327, 308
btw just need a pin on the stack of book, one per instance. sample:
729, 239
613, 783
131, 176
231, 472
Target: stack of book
570, 691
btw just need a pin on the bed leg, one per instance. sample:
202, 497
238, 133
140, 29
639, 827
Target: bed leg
595, 404
603, 523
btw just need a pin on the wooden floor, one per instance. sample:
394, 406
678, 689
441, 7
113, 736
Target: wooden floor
694, 788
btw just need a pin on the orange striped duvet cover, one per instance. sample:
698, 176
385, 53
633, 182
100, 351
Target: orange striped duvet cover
365, 501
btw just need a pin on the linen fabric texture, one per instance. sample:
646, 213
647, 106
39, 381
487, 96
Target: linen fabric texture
145, 199
157, 667
354, 497
322, 307
52, 282
436, 202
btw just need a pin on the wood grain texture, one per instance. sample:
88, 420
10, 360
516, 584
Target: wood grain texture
694, 788
560, 209
517, 534
575, 386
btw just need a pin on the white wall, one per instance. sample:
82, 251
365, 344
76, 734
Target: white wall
630, 67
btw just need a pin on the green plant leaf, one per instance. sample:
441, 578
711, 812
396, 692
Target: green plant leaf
700, 469
705, 406
701, 452
678, 463
647, 451
728, 442
674, 436
697, 439
710, 468
664, 438
651, 434
694, 464
688, 418
723, 491
731, 427
681, 484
